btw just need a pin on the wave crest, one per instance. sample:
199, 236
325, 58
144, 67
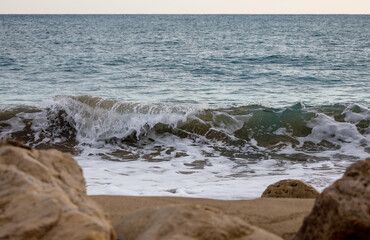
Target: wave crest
89, 120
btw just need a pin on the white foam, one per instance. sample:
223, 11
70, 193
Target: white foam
94, 123
220, 179
343, 134
355, 117
15, 124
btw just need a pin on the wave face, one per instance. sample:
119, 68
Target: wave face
246, 137
90, 120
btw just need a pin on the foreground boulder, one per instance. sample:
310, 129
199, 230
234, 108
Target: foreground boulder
43, 196
187, 222
290, 189
342, 211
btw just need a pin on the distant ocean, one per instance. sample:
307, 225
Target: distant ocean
214, 106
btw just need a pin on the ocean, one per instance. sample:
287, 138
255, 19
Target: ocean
211, 106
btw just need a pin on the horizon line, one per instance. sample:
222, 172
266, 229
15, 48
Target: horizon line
184, 13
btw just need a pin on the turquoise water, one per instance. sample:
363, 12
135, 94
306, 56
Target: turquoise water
190, 105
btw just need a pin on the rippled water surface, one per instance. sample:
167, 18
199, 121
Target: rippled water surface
220, 60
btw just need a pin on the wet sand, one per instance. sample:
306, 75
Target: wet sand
281, 216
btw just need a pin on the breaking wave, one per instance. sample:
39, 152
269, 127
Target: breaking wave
67, 121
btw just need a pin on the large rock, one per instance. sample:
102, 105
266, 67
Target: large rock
342, 211
187, 222
43, 197
290, 189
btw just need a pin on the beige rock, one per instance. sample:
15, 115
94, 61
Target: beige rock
43, 197
342, 210
290, 189
187, 222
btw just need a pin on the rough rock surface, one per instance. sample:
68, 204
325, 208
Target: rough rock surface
290, 189
187, 222
342, 210
43, 196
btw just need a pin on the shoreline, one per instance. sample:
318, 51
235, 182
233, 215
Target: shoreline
281, 216
45, 198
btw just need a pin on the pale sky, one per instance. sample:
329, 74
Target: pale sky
186, 6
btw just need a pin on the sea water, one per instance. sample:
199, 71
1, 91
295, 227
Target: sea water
214, 106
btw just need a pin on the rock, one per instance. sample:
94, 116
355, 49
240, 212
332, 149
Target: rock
187, 222
290, 189
342, 210
43, 196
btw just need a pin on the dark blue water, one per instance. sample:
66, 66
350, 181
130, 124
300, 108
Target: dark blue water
190, 105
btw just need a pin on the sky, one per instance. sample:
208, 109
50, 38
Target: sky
184, 6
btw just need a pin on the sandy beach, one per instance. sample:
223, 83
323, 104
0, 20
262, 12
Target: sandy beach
281, 216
